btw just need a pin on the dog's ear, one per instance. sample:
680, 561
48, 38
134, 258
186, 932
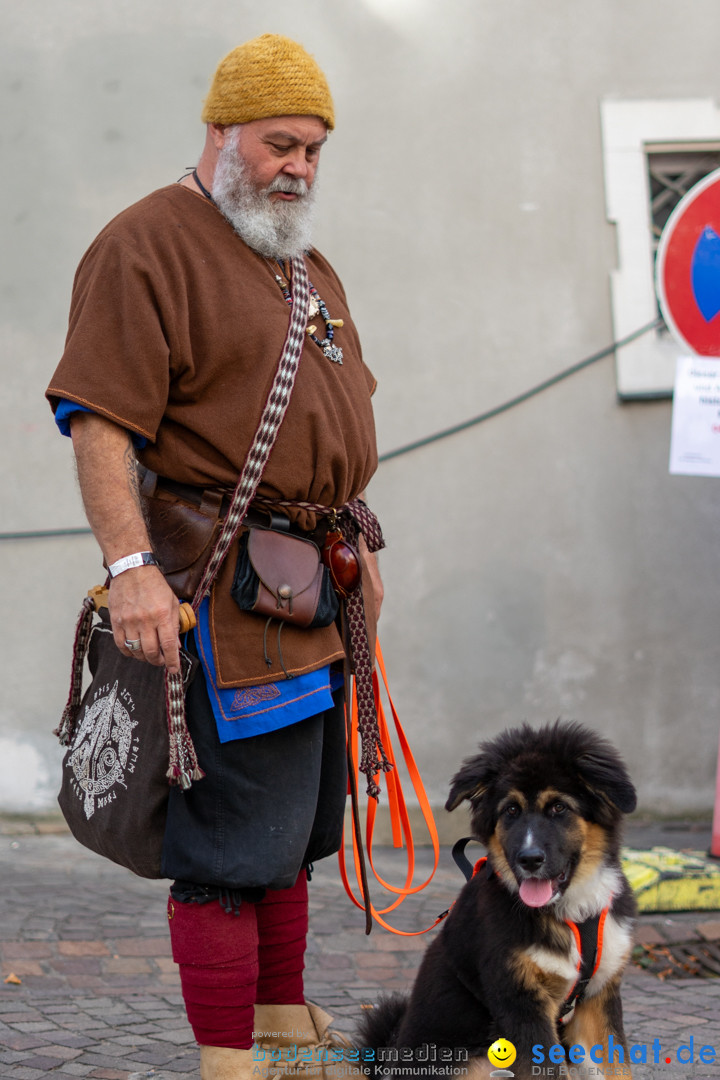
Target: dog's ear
469, 783
605, 774
480, 774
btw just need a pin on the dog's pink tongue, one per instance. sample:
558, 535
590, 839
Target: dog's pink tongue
535, 892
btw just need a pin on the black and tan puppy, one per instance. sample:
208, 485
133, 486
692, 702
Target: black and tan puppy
533, 950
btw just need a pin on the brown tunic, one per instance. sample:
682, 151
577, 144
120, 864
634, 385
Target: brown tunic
176, 328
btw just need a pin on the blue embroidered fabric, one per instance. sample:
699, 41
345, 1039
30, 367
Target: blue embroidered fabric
253, 710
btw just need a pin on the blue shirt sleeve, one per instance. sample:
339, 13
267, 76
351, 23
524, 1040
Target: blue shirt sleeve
65, 410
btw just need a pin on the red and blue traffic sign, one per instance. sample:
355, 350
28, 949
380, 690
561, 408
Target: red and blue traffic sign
687, 270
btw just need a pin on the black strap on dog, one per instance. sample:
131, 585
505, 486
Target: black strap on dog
461, 860
587, 935
469, 871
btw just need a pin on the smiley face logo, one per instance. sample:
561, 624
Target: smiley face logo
502, 1053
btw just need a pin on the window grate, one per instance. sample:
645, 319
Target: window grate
672, 172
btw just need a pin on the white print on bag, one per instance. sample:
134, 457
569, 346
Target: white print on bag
104, 748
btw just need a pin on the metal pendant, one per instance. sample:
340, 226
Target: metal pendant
333, 352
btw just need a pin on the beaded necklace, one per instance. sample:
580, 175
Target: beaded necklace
317, 307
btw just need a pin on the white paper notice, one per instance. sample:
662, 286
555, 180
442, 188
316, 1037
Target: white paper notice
695, 440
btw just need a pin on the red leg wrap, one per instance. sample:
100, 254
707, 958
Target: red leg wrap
282, 922
217, 953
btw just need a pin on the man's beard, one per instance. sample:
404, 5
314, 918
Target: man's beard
277, 229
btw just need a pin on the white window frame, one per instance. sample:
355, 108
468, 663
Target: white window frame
645, 367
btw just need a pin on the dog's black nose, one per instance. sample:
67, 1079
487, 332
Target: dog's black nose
531, 859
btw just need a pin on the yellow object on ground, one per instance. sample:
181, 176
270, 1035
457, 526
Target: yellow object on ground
667, 880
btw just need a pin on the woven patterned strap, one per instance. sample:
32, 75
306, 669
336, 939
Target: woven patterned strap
364, 518
367, 523
183, 766
66, 727
373, 758
357, 516
272, 417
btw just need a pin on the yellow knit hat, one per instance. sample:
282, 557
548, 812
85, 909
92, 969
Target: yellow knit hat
268, 76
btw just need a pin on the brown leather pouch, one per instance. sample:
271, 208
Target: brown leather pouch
280, 575
182, 534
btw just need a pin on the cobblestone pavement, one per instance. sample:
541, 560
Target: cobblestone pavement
93, 991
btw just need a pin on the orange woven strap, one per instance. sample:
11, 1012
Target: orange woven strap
399, 817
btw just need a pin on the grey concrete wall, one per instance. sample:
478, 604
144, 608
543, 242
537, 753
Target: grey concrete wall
541, 564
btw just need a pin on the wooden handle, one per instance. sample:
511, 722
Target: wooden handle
99, 596
187, 618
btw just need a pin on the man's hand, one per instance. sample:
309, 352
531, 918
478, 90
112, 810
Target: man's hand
144, 608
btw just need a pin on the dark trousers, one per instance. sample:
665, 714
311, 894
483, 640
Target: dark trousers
268, 806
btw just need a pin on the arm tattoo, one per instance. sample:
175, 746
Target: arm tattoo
132, 474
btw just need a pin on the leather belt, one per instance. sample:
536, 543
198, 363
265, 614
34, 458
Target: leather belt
266, 518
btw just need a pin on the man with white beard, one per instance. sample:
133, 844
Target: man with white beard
275, 227
179, 314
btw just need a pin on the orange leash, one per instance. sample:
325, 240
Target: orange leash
399, 817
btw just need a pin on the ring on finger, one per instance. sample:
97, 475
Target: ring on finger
133, 646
